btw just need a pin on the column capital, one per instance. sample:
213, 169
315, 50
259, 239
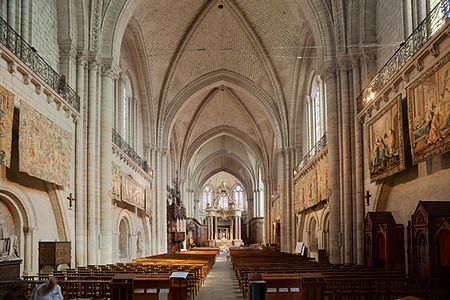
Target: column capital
94, 61
328, 71
68, 50
344, 64
27, 230
82, 57
110, 69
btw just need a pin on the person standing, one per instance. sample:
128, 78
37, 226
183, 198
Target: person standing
48, 291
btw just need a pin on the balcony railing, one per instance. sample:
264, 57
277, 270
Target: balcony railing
316, 149
129, 151
435, 20
28, 55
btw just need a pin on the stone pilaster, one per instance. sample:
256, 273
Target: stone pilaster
28, 247
25, 20
328, 74
358, 167
347, 205
109, 74
91, 164
80, 204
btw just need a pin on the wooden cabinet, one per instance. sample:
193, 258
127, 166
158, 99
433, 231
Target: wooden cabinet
54, 254
10, 269
383, 242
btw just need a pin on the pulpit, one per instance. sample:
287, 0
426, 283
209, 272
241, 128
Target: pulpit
383, 241
429, 240
54, 253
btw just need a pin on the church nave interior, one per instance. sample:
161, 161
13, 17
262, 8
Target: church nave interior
276, 149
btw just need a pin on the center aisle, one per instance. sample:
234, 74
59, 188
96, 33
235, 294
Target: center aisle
221, 282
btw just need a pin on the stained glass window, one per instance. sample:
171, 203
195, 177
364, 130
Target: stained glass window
238, 195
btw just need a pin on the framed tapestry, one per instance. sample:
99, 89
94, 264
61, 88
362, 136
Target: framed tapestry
429, 112
6, 122
323, 191
310, 188
298, 195
385, 146
45, 149
132, 192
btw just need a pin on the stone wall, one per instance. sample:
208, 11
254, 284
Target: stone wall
44, 34
389, 29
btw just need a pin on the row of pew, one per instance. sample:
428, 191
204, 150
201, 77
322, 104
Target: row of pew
145, 278
291, 277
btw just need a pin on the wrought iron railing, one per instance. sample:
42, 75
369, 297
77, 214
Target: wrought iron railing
129, 151
28, 55
435, 20
316, 149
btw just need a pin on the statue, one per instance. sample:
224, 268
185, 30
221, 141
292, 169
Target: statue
8, 248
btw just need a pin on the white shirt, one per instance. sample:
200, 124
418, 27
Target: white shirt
54, 294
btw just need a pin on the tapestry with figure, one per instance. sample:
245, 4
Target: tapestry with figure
132, 192
6, 122
385, 142
429, 112
116, 182
45, 149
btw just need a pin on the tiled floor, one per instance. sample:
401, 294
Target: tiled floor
221, 283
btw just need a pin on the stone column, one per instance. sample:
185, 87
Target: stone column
329, 75
28, 247
231, 229
216, 233
110, 72
359, 184
25, 20
80, 204
91, 165
346, 163
267, 211
162, 229
154, 202
239, 228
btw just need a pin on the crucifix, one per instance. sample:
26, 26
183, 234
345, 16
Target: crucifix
70, 198
367, 197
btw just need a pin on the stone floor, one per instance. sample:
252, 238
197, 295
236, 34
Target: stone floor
221, 283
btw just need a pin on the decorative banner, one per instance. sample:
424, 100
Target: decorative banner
385, 142
6, 121
45, 149
116, 182
312, 187
429, 112
132, 192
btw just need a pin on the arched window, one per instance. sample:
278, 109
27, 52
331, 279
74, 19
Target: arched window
238, 195
207, 196
223, 201
126, 110
124, 243
315, 111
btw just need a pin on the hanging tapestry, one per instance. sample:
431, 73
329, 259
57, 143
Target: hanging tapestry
6, 121
116, 182
298, 195
385, 142
429, 112
132, 192
323, 191
45, 149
